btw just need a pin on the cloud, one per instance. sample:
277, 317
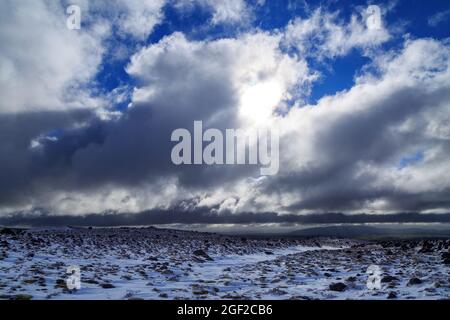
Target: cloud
340, 154
223, 12
325, 35
43, 65
203, 216
439, 17
348, 144
101, 163
129, 18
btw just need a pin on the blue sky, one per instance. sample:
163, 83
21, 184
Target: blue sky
410, 19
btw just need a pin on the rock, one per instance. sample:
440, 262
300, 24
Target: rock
427, 247
22, 297
200, 291
338, 286
163, 295
60, 284
90, 281
387, 279
203, 254
351, 279
414, 281
107, 286
277, 292
8, 232
392, 295
446, 258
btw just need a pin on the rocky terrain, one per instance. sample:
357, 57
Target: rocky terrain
150, 263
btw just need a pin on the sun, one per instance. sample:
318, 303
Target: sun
259, 101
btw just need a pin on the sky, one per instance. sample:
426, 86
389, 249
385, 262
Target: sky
360, 100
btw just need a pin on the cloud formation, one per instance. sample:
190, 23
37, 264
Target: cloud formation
68, 153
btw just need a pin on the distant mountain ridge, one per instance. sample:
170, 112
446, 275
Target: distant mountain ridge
361, 231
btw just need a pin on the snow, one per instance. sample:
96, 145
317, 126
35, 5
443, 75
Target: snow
150, 263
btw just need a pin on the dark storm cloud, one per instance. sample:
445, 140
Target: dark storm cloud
126, 152
365, 137
204, 216
20, 166
136, 148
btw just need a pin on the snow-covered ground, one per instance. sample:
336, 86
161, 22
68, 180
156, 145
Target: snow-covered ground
150, 263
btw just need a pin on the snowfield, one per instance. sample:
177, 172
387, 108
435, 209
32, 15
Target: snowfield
150, 263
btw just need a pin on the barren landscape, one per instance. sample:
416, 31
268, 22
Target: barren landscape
151, 263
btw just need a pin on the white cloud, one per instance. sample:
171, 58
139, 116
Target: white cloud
439, 17
131, 18
227, 12
42, 63
324, 35
245, 64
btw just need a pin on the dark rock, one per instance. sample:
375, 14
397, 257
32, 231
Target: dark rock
338, 286
387, 279
203, 254
414, 281
7, 231
427, 247
60, 284
107, 286
392, 295
22, 297
90, 281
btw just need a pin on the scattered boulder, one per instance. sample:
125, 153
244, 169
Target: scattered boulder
202, 254
388, 279
7, 232
338, 286
22, 297
392, 295
60, 284
427, 246
414, 281
446, 258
